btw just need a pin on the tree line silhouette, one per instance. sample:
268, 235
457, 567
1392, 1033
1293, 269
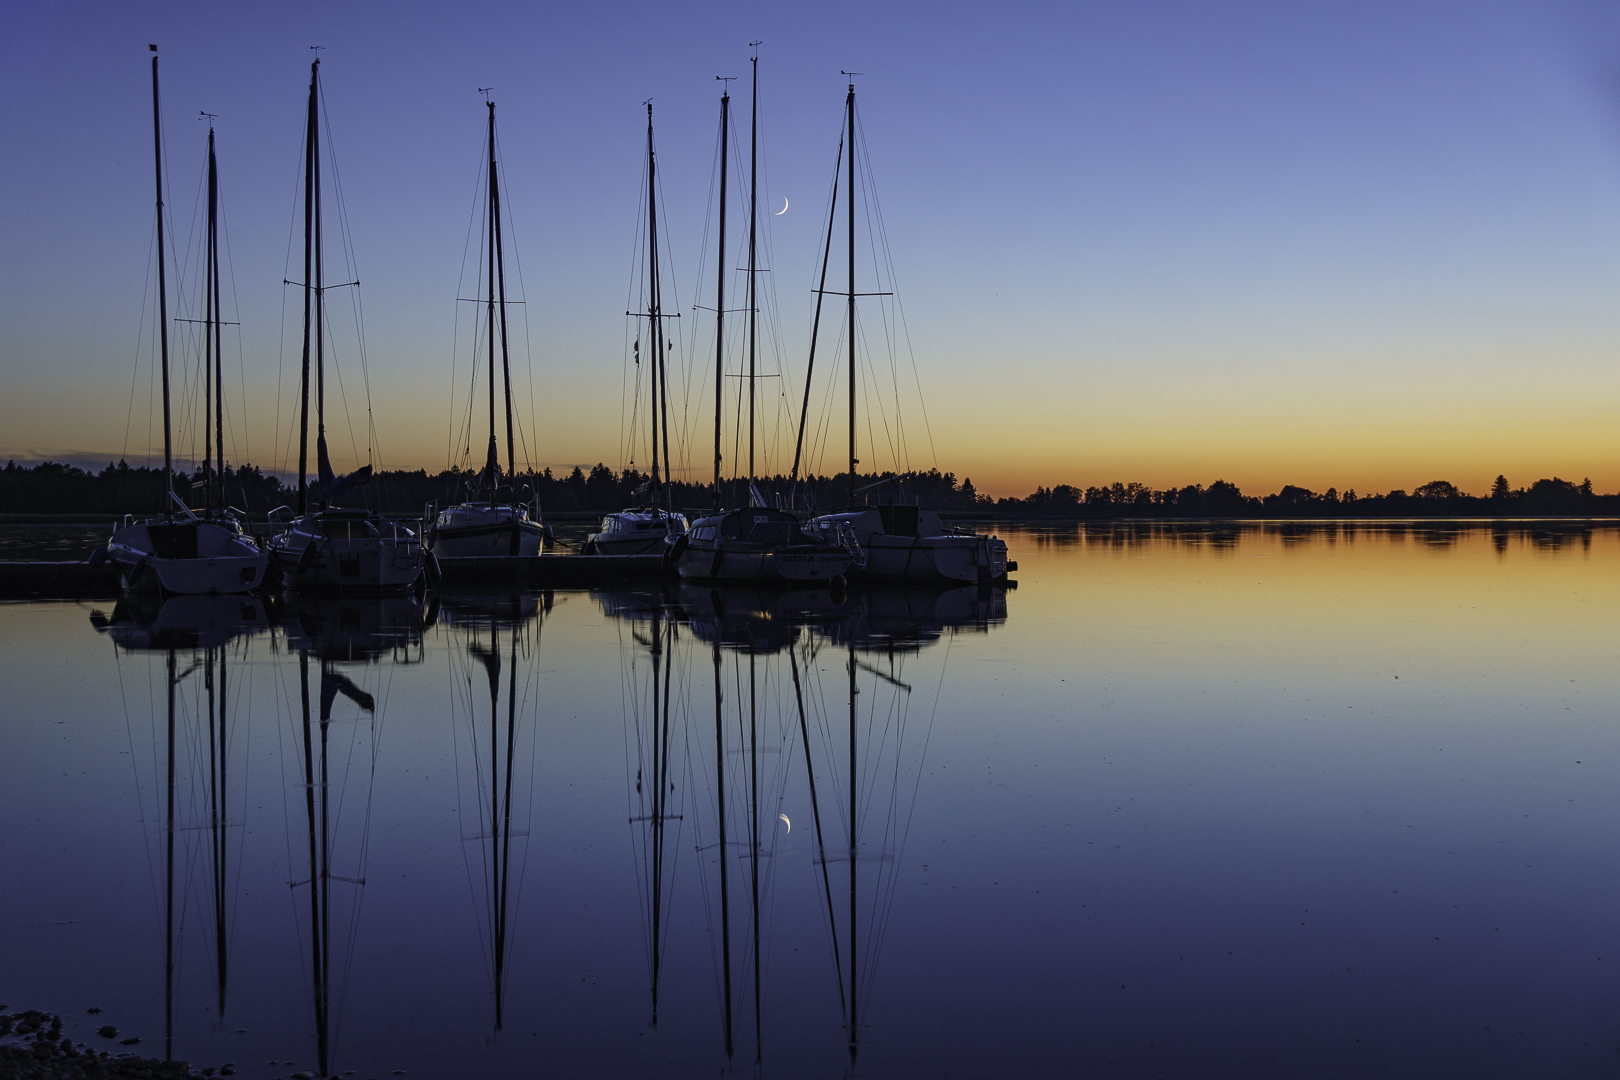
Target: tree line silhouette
49, 488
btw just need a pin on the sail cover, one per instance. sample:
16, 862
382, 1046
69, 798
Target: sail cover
332, 485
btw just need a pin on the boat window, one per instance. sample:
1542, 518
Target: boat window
705, 533
772, 532
346, 529
177, 541
899, 520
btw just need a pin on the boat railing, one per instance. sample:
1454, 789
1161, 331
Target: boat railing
844, 533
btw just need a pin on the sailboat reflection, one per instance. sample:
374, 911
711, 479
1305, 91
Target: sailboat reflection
654, 730
748, 638
353, 629
335, 729
201, 753
766, 652
882, 754
495, 763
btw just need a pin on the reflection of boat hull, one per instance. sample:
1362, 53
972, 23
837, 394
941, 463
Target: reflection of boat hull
471, 531
755, 620
350, 628
186, 558
182, 622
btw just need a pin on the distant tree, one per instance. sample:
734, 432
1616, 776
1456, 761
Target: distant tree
1499, 487
1437, 489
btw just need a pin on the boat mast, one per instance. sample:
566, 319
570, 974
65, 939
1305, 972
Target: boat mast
753, 288
214, 324
815, 325
163, 291
309, 256
500, 278
657, 325
720, 275
850, 209
492, 458
208, 336
320, 274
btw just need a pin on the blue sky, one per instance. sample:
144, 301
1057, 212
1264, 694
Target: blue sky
1361, 245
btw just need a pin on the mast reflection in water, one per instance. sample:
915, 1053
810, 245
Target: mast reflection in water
199, 822
754, 661
341, 644
494, 652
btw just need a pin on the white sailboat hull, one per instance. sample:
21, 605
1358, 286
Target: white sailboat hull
934, 558
187, 558
709, 562
366, 556
471, 531
635, 532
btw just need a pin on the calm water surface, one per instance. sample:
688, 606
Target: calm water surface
1263, 801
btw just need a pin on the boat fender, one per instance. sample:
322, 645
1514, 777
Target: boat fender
430, 568
714, 567
837, 583
673, 552
137, 572
98, 558
589, 548
306, 557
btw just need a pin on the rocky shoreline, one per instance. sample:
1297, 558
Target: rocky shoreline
32, 1047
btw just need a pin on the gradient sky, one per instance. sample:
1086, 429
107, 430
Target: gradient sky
1361, 244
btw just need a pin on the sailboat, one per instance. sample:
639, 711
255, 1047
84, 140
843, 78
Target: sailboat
643, 530
756, 543
897, 542
488, 526
327, 548
188, 553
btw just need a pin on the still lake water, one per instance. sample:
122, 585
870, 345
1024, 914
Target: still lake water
1275, 800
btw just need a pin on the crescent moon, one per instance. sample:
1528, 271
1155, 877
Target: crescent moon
785, 821
782, 211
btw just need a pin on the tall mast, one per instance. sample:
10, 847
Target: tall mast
163, 291
492, 457
753, 289
209, 316
214, 308
815, 325
500, 279
309, 288
851, 211
652, 296
720, 275
320, 268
